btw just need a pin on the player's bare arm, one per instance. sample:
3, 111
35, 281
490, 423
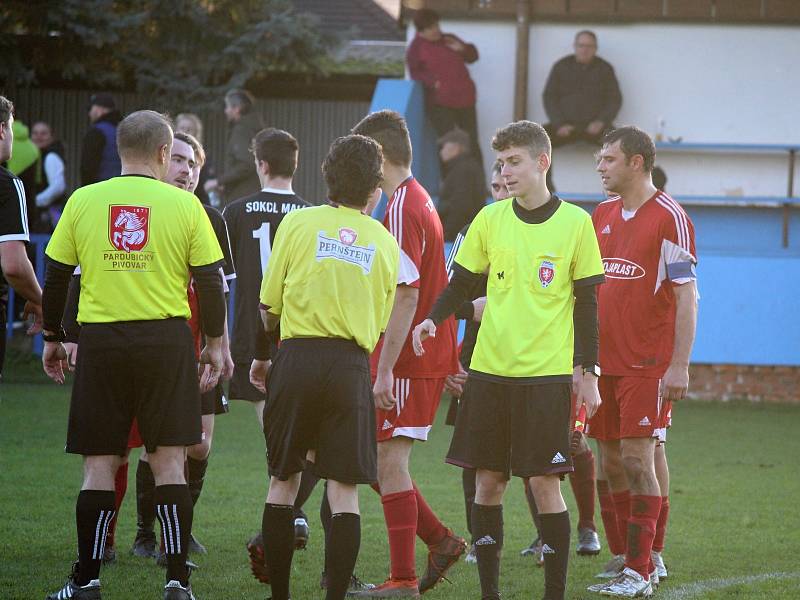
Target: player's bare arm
675, 382
405, 305
421, 333
18, 271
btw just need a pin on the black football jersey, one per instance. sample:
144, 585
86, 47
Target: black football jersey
252, 222
13, 208
221, 231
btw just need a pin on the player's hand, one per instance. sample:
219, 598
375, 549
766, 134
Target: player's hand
383, 391
577, 375
479, 304
31, 309
675, 383
54, 361
595, 127
227, 364
588, 395
565, 130
71, 349
259, 371
421, 333
454, 383
211, 362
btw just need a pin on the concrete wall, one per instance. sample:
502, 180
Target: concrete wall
709, 83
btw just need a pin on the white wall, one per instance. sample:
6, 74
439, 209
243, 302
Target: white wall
721, 83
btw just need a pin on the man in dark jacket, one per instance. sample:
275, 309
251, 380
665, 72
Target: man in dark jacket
239, 177
99, 157
462, 194
582, 95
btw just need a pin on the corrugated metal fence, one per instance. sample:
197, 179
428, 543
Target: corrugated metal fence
315, 124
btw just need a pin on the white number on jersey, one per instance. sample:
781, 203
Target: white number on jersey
264, 246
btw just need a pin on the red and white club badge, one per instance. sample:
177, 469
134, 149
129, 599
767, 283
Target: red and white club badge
347, 236
547, 272
129, 227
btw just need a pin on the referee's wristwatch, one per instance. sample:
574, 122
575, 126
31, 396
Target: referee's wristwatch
56, 336
592, 370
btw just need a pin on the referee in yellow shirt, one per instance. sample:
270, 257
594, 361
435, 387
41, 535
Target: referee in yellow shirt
136, 239
543, 263
330, 283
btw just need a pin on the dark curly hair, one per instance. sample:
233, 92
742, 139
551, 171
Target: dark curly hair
353, 169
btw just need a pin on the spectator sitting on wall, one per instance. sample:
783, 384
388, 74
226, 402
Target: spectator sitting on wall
26, 163
462, 194
190, 123
52, 191
582, 95
439, 61
239, 177
99, 157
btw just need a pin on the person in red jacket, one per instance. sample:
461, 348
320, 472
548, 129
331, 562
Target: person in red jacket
439, 61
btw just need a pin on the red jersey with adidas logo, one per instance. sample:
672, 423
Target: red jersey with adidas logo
644, 254
412, 219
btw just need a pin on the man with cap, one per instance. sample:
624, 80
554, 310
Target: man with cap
463, 192
99, 158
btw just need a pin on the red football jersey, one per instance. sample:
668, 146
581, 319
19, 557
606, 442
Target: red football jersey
644, 254
412, 219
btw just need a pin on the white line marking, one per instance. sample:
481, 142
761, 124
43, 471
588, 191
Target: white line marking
692, 590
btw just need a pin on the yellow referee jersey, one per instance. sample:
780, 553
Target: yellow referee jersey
332, 274
526, 331
134, 238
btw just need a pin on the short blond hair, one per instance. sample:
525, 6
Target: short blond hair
142, 133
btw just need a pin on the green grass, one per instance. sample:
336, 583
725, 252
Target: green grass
734, 510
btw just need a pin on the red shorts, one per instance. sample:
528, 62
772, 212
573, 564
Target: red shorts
415, 411
134, 439
632, 408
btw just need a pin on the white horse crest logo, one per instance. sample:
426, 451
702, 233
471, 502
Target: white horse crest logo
129, 227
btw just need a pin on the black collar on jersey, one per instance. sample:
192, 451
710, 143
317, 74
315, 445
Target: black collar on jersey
138, 175
539, 214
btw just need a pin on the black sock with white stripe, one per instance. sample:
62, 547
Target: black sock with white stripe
487, 529
174, 512
277, 529
555, 549
93, 512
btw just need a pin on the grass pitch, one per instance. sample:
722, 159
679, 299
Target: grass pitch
734, 527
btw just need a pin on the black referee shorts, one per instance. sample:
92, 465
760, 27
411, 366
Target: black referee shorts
516, 429
142, 369
320, 398
214, 402
240, 388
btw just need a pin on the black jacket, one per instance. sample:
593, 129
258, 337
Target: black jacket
461, 195
239, 177
579, 94
92, 147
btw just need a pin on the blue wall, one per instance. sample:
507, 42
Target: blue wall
408, 98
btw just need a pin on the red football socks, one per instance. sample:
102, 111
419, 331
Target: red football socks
616, 542
582, 482
120, 487
622, 506
661, 525
641, 531
429, 528
400, 512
